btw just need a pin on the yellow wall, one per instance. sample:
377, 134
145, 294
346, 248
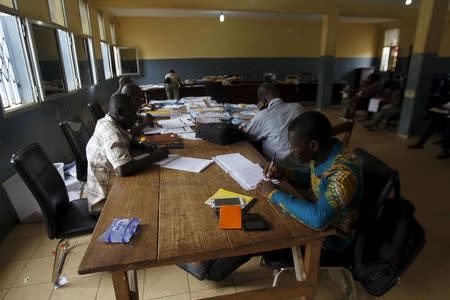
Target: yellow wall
73, 16
357, 40
36, 9
208, 38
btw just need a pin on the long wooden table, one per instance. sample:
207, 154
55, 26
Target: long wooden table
178, 227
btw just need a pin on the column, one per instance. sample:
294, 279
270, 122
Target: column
327, 58
430, 27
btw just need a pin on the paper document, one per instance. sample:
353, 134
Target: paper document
439, 111
179, 130
374, 105
184, 163
152, 130
171, 123
189, 136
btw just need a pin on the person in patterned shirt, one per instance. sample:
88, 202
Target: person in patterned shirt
334, 175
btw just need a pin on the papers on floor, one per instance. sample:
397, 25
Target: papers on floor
245, 172
374, 105
184, 163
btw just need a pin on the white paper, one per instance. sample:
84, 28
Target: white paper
189, 164
189, 136
180, 130
152, 130
171, 123
374, 105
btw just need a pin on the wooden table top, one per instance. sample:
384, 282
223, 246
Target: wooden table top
176, 224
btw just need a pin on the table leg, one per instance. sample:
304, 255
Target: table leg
126, 288
312, 265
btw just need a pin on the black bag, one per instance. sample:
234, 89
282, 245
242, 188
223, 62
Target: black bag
219, 133
388, 246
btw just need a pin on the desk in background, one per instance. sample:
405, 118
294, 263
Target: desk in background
246, 92
178, 227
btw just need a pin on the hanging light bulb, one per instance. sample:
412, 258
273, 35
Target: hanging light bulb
408, 2
222, 17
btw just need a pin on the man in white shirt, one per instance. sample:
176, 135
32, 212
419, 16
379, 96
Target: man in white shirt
270, 124
172, 83
109, 152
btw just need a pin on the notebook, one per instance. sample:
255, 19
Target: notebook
184, 163
245, 172
230, 217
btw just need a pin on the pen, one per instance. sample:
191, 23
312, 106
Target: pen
271, 163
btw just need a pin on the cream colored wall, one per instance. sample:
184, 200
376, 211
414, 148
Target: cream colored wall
357, 40
208, 38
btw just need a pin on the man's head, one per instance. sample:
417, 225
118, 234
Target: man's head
122, 110
123, 81
309, 136
172, 71
134, 92
372, 78
389, 87
266, 93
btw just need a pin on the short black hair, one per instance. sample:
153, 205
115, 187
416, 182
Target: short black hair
268, 89
118, 101
172, 71
312, 125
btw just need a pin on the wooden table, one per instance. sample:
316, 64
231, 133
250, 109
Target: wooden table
178, 227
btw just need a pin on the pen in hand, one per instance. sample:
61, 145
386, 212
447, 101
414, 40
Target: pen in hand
271, 164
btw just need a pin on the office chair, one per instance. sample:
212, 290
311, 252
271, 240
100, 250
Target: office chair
379, 182
77, 137
63, 219
96, 110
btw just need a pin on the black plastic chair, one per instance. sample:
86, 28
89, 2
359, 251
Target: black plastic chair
77, 137
63, 219
379, 181
96, 110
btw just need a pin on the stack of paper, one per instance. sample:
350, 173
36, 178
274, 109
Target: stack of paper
244, 171
184, 163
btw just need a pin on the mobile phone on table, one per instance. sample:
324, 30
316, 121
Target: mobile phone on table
228, 201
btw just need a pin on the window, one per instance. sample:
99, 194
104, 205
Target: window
54, 59
113, 33
16, 81
112, 51
84, 15
83, 49
101, 26
390, 50
9, 3
57, 13
106, 56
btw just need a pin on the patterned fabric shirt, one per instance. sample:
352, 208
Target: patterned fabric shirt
107, 150
270, 126
337, 186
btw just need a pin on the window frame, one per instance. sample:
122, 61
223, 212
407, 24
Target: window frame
102, 28
35, 59
31, 71
88, 17
110, 61
119, 63
91, 58
63, 2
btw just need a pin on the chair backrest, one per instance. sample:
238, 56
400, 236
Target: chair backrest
44, 182
96, 110
379, 181
345, 128
214, 90
77, 137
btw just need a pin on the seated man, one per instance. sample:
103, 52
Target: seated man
135, 93
270, 124
390, 105
334, 176
111, 151
360, 98
122, 82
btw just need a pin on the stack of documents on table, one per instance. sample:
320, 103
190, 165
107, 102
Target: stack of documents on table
245, 172
184, 163
180, 125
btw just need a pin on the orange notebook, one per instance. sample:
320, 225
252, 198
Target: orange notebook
230, 217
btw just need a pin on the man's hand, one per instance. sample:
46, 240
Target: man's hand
276, 172
264, 188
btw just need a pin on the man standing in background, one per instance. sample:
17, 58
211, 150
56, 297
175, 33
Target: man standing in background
172, 84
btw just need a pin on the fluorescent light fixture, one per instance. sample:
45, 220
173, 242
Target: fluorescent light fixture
222, 17
408, 2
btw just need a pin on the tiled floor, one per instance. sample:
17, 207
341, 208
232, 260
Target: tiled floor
26, 254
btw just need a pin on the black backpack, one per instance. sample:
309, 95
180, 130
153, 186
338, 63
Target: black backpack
219, 133
389, 238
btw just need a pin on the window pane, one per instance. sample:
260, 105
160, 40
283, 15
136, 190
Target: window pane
84, 61
106, 60
57, 11
84, 15
113, 33
113, 61
101, 26
9, 3
67, 59
45, 39
391, 37
16, 86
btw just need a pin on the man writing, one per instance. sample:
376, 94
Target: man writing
270, 124
334, 176
112, 151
